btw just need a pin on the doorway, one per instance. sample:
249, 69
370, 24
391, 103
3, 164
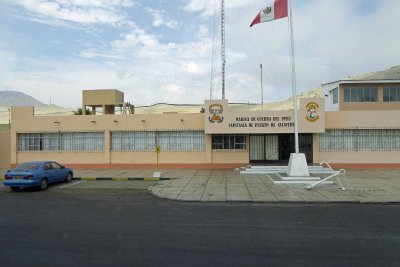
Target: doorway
276, 148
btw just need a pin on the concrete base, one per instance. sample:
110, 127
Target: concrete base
301, 182
298, 165
156, 174
310, 179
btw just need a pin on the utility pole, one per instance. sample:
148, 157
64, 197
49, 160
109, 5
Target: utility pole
262, 91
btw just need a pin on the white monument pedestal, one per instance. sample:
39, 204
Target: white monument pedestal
298, 165
156, 174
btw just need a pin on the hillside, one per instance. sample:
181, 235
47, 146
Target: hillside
14, 98
11, 98
46, 110
390, 74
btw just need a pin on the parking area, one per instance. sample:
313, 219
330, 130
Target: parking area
91, 184
102, 179
362, 186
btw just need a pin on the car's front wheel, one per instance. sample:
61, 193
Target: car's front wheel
43, 184
69, 178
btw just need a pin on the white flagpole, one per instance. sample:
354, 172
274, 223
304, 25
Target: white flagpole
293, 76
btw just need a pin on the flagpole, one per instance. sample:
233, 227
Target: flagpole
293, 78
297, 166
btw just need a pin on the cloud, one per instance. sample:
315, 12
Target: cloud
97, 3
78, 11
159, 20
192, 68
139, 44
209, 8
151, 63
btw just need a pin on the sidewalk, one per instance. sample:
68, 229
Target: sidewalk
362, 186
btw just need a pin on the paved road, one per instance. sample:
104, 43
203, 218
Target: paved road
128, 227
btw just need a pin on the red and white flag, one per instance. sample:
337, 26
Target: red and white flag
276, 10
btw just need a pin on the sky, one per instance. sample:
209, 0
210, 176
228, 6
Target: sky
169, 51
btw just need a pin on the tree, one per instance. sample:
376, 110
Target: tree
79, 112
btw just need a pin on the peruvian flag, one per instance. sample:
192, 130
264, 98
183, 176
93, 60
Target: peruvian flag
276, 10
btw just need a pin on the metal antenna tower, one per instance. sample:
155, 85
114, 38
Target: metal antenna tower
223, 47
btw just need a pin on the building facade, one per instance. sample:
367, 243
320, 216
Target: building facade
362, 123
356, 124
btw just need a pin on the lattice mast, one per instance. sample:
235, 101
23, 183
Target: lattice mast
223, 47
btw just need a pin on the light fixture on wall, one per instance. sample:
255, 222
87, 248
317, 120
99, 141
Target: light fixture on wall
56, 122
182, 120
93, 121
143, 121
115, 121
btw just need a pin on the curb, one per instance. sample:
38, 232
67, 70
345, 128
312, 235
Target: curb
121, 178
281, 202
116, 178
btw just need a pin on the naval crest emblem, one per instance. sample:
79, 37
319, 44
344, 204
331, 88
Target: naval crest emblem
312, 112
216, 111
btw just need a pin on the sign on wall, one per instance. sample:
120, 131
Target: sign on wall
219, 119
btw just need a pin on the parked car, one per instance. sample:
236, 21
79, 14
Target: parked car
37, 174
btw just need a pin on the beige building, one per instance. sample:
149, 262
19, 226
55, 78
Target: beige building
357, 124
362, 123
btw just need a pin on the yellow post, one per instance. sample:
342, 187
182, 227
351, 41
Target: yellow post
158, 149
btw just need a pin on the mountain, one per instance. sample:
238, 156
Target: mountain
14, 98
10, 98
390, 74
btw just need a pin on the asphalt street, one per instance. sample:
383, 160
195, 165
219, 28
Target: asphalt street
69, 226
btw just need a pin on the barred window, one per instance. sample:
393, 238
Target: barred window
76, 141
364, 139
181, 141
168, 141
391, 93
133, 141
360, 94
229, 141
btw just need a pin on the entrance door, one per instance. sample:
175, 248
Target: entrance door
271, 147
257, 148
264, 147
276, 148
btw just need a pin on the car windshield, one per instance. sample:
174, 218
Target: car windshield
28, 166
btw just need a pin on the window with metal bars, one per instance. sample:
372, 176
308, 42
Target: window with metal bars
360, 139
168, 141
228, 141
74, 141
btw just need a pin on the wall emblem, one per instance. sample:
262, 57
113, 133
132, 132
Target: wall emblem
312, 115
216, 111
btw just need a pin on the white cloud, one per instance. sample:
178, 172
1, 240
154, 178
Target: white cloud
139, 44
97, 3
159, 20
208, 8
192, 68
332, 41
79, 11
171, 92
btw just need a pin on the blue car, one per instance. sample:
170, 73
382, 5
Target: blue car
37, 174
